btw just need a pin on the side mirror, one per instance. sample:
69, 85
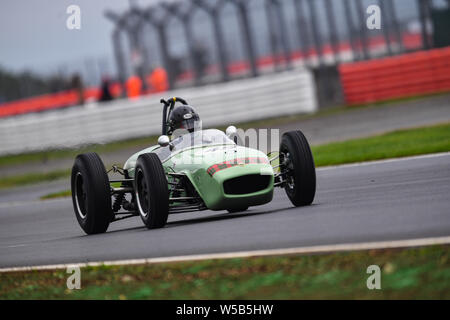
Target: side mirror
163, 141
230, 131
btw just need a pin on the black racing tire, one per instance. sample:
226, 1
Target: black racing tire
91, 194
151, 191
237, 210
300, 185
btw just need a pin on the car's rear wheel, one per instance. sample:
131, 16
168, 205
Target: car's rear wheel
237, 209
91, 195
151, 191
298, 169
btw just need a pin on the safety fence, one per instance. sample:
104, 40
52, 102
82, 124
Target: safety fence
207, 38
268, 96
407, 75
51, 101
69, 98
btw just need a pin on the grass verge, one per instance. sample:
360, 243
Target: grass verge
60, 194
31, 178
136, 143
399, 143
44, 156
418, 273
68, 193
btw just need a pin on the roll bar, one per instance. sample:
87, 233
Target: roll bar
169, 104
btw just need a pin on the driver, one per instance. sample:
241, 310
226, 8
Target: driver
184, 117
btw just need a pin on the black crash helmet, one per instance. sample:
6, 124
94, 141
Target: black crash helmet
184, 117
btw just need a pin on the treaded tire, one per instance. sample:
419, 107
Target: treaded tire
91, 194
302, 171
151, 191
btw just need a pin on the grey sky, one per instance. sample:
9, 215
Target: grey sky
33, 34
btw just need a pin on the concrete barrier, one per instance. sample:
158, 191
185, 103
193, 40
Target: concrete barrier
274, 95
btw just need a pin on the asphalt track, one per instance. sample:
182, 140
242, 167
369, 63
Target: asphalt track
388, 200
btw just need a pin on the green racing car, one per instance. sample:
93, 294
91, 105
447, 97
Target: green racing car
190, 169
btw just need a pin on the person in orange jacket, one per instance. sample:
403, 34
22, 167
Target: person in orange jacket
134, 86
157, 80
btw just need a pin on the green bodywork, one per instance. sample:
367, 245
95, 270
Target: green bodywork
194, 162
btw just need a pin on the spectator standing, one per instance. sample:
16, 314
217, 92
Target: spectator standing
105, 94
157, 80
134, 86
77, 86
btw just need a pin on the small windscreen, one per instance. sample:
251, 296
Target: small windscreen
202, 137
196, 138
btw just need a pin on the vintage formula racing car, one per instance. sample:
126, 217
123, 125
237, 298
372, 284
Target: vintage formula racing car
196, 170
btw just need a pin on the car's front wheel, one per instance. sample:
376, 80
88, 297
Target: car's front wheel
91, 195
151, 191
298, 169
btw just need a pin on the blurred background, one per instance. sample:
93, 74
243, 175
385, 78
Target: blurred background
357, 93
137, 48
199, 42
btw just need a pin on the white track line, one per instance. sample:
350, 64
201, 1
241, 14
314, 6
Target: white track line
381, 161
244, 254
247, 254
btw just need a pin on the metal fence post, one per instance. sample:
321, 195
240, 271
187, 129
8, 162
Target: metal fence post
424, 16
315, 31
362, 29
214, 13
220, 45
302, 28
272, 33
186, 21
118, 54
334, 39
351, 28
142, 48
385, 26
283, 32
184, 17
248, 39
395, 24
161, 28
132, 26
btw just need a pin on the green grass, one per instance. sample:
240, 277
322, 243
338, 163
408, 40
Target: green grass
32, 178
43, 156
419, 273
394, 144
60, 194
68, 193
